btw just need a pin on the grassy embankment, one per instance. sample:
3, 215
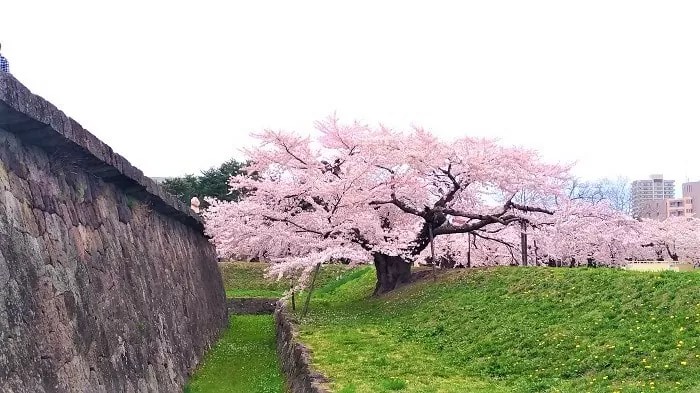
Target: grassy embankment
247, 279
510, 330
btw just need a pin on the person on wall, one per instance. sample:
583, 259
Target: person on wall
4, 64
194, 204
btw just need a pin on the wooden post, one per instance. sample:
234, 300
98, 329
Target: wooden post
432, 250
311, 289
523, 241
469, 250
294, 303
537, 259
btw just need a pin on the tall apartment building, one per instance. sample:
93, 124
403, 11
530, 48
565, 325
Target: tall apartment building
649, 197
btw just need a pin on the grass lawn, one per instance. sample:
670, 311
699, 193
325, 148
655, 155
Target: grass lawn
510, 330
247, 279
244, 360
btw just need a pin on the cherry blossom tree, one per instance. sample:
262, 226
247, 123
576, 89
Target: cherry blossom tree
675, 238
373, 193
585, 232
580, 232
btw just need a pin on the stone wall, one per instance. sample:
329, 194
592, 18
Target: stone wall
107, 284
251, 305
294, 357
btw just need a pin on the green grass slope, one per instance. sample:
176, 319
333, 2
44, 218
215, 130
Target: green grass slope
247, 279
243, 360
510, 330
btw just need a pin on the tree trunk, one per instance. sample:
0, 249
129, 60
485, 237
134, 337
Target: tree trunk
311, 290
392, 271
673, 255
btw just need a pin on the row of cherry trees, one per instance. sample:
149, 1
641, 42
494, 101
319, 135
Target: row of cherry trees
584, 235
380, 195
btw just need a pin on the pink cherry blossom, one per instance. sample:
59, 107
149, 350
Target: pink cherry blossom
373, 193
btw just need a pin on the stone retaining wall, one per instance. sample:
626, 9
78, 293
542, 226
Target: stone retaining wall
294, 357
249, 305
107, 283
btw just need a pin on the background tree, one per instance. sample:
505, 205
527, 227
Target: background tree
675, 238
616, 192
587, 233
182, 187
212, 183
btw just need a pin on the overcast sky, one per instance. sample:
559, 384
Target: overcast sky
176, 87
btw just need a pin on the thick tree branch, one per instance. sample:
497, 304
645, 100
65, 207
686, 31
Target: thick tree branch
525, 208
386, 169
472, 216
360, 240
401, 205
466, 228
447, 198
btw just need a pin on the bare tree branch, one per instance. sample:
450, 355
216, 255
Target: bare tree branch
294, 224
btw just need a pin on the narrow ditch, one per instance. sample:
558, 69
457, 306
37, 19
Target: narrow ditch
243, 360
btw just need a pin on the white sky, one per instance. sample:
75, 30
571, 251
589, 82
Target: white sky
176, 87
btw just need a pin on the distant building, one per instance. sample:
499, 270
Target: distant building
649, 197
688, 205
654, 198
679, 207
691, 195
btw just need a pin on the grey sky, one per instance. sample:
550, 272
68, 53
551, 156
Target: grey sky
177, 86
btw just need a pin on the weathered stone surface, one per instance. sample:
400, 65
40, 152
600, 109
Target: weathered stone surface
104, 286
36, 121
294, 357
251, 305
